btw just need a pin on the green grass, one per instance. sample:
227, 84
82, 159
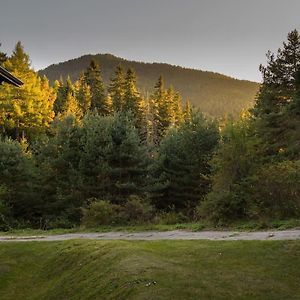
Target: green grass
132, 228
239, 226
127, 270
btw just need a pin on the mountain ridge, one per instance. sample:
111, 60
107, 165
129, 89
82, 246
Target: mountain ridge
214, 93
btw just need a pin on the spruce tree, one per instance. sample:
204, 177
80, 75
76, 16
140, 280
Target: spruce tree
156, 99
62, 90
117, 89
166, 109
93, 78
113, 162
71, 108
133, 101
83, 95
177, 109
127, 160
180, 171
187, 111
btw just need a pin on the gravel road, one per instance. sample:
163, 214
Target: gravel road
165, 235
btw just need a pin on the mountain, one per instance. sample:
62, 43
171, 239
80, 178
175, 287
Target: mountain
213, 93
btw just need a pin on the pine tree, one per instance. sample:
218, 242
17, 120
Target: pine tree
166, 109
187, 111
156, 99
273, 111
177, 109
279, 74
62, 90
83, 95
71, 107
109, 105
93, 78
117, 89
27, 108
133, 101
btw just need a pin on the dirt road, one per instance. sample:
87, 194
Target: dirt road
165, 235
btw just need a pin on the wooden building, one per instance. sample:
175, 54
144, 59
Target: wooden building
7, 77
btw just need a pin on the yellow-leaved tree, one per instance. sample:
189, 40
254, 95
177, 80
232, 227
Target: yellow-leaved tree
27, 109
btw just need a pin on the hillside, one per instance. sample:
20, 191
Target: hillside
149, 270
213, 93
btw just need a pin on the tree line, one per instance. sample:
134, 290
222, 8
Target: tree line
81, 153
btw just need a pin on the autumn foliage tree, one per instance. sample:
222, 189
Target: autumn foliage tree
28, 108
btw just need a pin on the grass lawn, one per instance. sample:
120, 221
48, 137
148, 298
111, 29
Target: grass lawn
128, 270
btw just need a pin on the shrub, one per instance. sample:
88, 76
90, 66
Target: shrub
171, 217
221, 207
275, 191
137, 211
100, 212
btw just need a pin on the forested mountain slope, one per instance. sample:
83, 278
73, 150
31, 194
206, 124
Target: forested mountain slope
213, 93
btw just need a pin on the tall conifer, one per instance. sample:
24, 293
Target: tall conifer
117, 89
93, 78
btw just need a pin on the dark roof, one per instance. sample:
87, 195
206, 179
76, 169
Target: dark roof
5, 76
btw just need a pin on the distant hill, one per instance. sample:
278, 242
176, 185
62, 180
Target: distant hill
213, 93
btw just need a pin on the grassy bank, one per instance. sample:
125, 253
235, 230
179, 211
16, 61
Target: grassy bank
150, 270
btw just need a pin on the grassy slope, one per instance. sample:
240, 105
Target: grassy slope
121, 270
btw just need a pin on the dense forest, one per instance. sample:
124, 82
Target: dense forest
88, 152
213, 93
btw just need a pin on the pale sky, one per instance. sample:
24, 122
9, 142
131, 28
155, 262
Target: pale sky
225, 36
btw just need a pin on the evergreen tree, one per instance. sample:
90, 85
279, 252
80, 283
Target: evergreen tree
156, 100
276, 124
59, 181
166, 109
279, 74
133, 101
71, 107
177, 109
93, 78
127, 160
117, 89
83, 95
181, 168
187, 111
113, 164
17, 173
109, 105
62, 91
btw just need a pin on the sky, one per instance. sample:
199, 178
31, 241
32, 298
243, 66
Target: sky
226, 36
